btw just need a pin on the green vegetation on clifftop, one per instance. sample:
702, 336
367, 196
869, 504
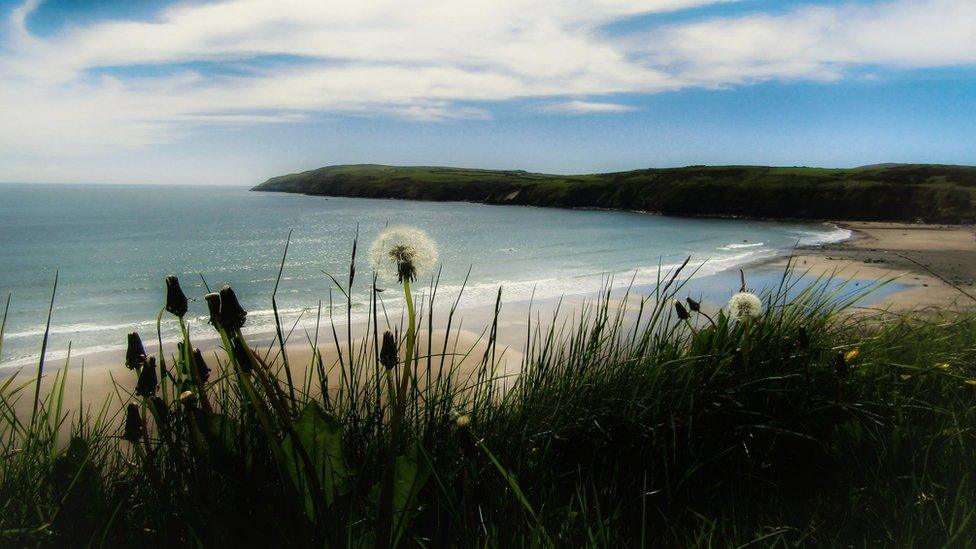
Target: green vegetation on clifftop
890, 192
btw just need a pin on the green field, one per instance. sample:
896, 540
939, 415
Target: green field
909, 192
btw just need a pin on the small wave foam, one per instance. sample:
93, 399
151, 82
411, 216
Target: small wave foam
833, 235
729, 247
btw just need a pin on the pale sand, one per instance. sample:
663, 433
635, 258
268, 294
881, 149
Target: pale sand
99, 383
880, 251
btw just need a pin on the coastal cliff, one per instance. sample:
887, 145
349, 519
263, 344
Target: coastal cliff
890, 192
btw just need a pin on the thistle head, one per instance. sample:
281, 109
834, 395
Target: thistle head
176, 302
232, 315
388, 352
134, 428
135, 352
745, 306
403, 253
148, 380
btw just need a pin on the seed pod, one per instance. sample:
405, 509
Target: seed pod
148, 380
175, 298
203, 371
242, 355
135, 352
388, 352
682, 312
134, 428
840, 365
213, 305
693, 305
232, 315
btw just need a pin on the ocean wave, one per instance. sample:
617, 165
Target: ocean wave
740, 246
92, 337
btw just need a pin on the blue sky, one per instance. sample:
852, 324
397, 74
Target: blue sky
234, 92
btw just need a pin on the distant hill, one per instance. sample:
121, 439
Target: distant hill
887, 192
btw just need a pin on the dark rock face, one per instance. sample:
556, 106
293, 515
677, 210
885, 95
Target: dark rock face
898, 192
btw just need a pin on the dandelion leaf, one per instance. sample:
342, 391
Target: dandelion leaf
320, 436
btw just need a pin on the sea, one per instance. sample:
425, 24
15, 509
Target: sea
112, 246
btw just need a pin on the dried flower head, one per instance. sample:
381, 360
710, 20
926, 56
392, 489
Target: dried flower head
148, 380
134, 427
175, 298
683, 313
135, 352
232, 315
388, 352
744, 306
213, 305
463, 421
403, 253
203, 371
693, 305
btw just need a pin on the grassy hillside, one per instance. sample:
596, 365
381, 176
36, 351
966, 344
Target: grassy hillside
890, 192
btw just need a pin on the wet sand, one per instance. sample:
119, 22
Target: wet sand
937, 263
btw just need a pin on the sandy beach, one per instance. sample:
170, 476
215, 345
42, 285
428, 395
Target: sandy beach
936, 262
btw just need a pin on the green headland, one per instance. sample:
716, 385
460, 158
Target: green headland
886, 192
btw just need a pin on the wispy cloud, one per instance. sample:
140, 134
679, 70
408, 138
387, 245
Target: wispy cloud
586, 107
87, 89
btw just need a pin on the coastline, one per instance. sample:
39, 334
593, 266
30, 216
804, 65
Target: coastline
934, 263
924, 261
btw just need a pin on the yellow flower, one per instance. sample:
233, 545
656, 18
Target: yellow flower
852, 354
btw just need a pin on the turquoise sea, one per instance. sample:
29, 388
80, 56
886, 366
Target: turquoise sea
113, 244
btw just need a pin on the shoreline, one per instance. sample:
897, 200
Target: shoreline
873, 251
936, 263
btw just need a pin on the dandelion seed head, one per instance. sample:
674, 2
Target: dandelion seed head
744, 306
400, 253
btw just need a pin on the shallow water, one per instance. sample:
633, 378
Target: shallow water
114, 244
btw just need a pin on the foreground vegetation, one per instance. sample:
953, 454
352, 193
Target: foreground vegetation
908, 192
662, 426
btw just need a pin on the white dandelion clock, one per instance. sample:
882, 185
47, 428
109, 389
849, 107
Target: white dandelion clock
745, 306
403, 253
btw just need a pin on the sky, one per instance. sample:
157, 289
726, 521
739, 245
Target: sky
236, 91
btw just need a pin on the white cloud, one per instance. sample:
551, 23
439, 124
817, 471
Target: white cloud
816, 42
423, 60
586, 107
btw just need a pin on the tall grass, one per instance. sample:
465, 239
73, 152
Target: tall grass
626, 426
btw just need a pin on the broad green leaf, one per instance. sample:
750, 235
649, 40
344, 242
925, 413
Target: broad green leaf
320, 435
410, 475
